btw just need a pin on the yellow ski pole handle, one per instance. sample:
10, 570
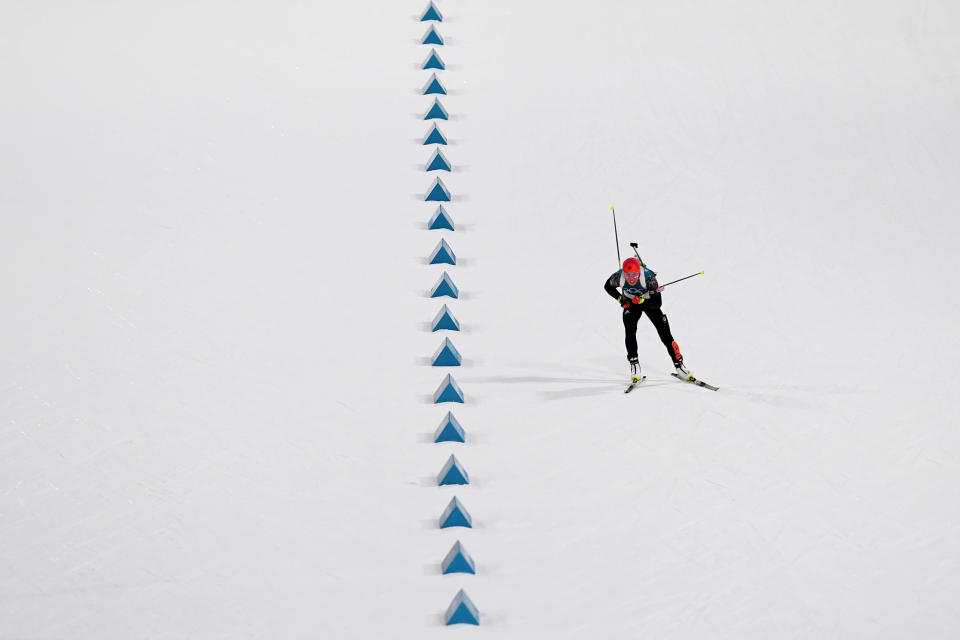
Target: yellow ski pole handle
660, 288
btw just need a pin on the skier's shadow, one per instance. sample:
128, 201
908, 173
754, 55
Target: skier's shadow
596, 391
599, 386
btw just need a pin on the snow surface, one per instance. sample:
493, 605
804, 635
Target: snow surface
216, 415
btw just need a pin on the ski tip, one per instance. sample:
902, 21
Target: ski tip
703, 273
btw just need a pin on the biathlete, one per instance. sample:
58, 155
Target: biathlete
638, 293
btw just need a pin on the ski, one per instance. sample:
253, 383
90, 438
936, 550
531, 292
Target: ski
699, 383
633, 385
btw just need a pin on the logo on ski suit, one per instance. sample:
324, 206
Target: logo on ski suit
632, 291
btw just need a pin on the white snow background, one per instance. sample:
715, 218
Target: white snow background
216, 417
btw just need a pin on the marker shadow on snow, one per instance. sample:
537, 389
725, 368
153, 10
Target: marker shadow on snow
454, 168
436, 569
466, 363
447, 40
430, 482
434, 524
436, 620
471, 438
461, 262
447, 299
427, 327
451, 117
488, 620
472, 398
460, 227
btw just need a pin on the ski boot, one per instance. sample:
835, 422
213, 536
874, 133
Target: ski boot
682, 372
634, 369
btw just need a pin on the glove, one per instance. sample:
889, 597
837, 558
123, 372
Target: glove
625, 302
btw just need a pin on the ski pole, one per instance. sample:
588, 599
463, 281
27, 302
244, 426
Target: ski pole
634, 245
616, 236
660, 288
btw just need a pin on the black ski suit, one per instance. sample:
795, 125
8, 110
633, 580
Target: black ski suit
647, 284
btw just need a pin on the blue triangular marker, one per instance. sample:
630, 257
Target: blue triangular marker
434, 61
438, 193
441, 220
432, 37
444, 320
443, 254
438, 163
462, 611
453, 473
445, 287
432, 13
448, 391
433, 87
455, 515
458, 560
447, 355
437, 112
450, 430
434, 137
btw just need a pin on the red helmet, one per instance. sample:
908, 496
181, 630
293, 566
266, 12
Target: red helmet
631, 265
